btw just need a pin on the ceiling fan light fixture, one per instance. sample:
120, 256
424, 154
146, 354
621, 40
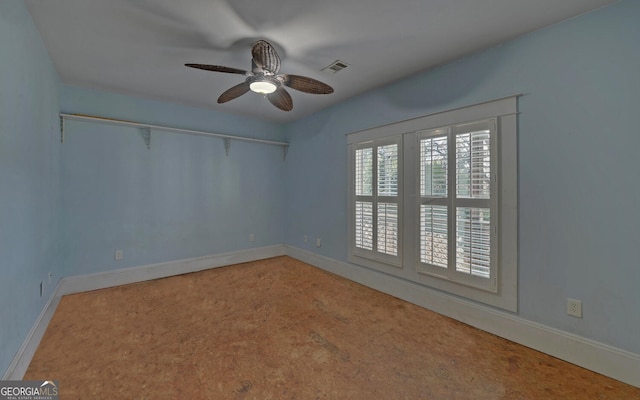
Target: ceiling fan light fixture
263, 87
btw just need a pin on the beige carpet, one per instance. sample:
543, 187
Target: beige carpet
281, 329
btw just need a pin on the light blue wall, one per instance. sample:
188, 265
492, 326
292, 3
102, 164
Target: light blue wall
578, 164
29, 176
181, 198
66, 207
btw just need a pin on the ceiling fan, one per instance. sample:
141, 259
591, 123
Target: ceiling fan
264, 78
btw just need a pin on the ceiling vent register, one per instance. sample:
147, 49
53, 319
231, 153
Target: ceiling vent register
335, 67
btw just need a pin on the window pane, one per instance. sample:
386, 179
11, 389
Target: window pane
388, 228
473, 241
434, 244
388, 170
473, 165
433, 167
364, 172
364, 225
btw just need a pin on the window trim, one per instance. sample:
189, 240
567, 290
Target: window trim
505, 112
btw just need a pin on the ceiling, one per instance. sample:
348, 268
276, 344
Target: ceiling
139, 47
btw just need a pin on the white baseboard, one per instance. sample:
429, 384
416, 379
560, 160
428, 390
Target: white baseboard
102, 280
616, 363
22, 359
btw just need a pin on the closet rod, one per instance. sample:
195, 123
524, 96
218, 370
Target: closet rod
90, 118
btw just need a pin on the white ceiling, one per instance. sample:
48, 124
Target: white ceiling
139, 47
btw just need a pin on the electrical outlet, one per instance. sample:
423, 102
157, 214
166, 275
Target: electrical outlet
118, 255
305, 238
574, 308
318, 242
252, 237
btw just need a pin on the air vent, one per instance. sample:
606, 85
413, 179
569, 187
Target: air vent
335, 67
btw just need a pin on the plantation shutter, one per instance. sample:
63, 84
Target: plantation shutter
376, 207
457, 237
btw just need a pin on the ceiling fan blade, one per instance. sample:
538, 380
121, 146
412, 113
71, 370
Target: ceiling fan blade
306, 85
234, 92
218, 68
281, 99
265, 56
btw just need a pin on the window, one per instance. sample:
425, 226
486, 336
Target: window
456, 201
434, 200
377, 201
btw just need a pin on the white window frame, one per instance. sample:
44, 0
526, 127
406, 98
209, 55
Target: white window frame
501, 290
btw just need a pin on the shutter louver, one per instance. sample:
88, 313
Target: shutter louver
364, 225
388, 228
473, 165
388, 170
473, 241
434, 244
364, 172
433, 167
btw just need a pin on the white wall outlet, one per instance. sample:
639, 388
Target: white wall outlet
252, 237
318, 242
118, 255
305, 238
574, 308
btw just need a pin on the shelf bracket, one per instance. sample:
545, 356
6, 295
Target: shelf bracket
227, 145
285, 150
61, 129
146, 136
